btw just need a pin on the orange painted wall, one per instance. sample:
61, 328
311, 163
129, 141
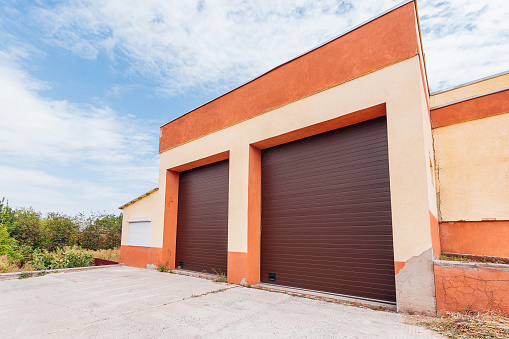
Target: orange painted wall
380, 43
140, 256
398, 265
237, 267
489, 238
477, 289
202, 162
476, 108
329, 125
170, 217
435, 236
254, 215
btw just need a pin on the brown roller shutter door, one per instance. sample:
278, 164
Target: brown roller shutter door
326, 213
202, 220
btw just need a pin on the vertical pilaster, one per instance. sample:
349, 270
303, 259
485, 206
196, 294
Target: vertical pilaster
170, 217
244, 215
410, 175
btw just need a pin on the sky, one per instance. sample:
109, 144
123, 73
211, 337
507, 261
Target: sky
86, 84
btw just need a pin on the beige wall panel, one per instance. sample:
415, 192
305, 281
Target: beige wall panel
151, 206
473, 162
399, 85
238, 198
408, 175
467, 91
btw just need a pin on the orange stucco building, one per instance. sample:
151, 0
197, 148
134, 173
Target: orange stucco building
339, 172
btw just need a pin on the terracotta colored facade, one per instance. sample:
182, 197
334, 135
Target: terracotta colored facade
374, 70
469, 287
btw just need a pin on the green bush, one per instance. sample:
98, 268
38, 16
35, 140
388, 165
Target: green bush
44, 260
7, 243
78, 258
26, 254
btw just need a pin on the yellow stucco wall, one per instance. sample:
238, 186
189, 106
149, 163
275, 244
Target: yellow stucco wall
399, 86
473, 169
151, 206
470, 90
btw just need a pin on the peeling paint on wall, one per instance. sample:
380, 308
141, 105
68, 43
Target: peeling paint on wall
415, 290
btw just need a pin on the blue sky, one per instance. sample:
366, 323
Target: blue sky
85, 85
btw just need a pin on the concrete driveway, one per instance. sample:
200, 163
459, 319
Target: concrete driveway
126, 302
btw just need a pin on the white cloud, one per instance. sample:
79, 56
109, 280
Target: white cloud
218, 44
48, 193
464, 40
65, 155
46, 130
204, 44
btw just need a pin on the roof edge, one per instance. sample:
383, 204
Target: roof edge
469, 98
470, 83
138, 198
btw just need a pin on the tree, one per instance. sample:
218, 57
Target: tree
7, 243
101, 232
59, 231
28, 228
111, 230
7, 216
90, 235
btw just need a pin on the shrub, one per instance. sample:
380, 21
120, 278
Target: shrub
7, 243
78, 258
26, 254
44, 260
68, 258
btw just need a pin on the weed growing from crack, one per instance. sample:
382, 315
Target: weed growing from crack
164, 267
221, 277
24, 275
206, 293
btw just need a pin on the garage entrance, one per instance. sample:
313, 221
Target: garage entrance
202, 220
326, 213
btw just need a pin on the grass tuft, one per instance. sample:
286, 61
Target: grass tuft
468, 324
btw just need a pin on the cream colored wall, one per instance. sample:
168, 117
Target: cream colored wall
467, 91
399, 85
148, 207
410, 144
473, 160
